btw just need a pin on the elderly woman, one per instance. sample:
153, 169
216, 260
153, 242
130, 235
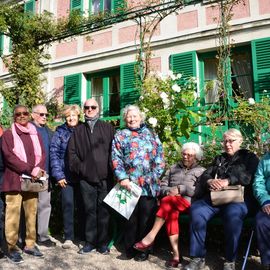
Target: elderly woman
23, 153
137, 156
177, 187
70, 189
261, 187
233, 167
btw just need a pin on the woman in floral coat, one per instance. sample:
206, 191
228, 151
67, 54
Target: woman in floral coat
137, 157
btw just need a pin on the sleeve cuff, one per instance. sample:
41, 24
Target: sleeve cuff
35, 171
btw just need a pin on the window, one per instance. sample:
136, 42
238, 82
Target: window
105, 88
115, 6
241, 75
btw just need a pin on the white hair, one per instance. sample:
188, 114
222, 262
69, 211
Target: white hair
132, 108
195, 147
234, 133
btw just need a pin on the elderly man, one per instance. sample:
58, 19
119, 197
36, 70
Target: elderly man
89, 159
40, 115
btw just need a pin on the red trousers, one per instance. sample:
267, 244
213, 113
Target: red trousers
169, 209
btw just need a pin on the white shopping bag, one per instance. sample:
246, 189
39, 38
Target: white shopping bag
122, 200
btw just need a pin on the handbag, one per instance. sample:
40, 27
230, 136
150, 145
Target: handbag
229, 194
122, 200
30, 185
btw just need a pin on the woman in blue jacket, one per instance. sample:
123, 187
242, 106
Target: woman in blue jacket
70, 189
261, 188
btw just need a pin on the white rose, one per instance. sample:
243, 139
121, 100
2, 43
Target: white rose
152, 121
251, 101
176, 88
179, 76
163, 95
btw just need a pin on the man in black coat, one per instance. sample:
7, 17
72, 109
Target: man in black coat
89, 151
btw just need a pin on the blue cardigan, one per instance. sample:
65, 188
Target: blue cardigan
261, 184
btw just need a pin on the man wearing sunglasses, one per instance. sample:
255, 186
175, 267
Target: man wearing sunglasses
40, 116
89, 151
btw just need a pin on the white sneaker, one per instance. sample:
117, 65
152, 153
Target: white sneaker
68, 244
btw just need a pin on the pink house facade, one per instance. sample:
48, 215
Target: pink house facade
98, 65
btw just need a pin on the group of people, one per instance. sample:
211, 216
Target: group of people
87, 158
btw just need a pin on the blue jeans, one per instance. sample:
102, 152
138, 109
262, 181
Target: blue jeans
232, 215
71, 199
263, 236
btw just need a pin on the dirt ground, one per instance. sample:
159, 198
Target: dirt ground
57, 258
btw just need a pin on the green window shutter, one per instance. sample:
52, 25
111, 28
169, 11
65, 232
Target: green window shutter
72, 89
261, 67
30, 6
128, 92
184, 63
118, 6
1, 43
76, 5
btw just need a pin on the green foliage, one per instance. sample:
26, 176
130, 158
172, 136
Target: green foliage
252, 118
166, 105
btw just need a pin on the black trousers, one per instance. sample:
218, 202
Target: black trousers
97, 216
140, 222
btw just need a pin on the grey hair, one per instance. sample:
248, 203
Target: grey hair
133, 108
20, 106
195, 147
37, 106
233, 132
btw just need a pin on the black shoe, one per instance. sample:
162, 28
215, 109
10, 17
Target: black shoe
46, 243
34, 251
126, 256
86, 249
15, 257
141, 257
2, 254
103, 250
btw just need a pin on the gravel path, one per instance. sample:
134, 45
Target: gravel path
57, 258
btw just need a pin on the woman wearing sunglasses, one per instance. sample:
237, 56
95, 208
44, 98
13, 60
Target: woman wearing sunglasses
23, 153
70, 189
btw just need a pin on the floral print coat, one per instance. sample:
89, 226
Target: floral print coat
137, 155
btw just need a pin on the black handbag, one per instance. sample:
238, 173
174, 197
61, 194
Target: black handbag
30, 185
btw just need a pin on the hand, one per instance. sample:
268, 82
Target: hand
62, 183
39, 174
125, 184
266, 209
173, 191
217, 184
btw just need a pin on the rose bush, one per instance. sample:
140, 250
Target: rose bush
166, 101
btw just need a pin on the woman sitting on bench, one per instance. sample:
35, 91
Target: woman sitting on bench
233, 167
177, 187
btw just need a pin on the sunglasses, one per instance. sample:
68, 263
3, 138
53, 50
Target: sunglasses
88, 107
18, 114
42, 114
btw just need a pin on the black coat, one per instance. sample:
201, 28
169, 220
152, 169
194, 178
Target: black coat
239, 169
89, 153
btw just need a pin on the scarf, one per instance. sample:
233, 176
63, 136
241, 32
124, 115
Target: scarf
91, 121
18, 149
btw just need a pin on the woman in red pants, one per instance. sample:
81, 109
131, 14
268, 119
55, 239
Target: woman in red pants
177, 188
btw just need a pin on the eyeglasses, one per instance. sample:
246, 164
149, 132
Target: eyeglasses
230, 141
88, 107
187, 155
42, 114
18, 114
